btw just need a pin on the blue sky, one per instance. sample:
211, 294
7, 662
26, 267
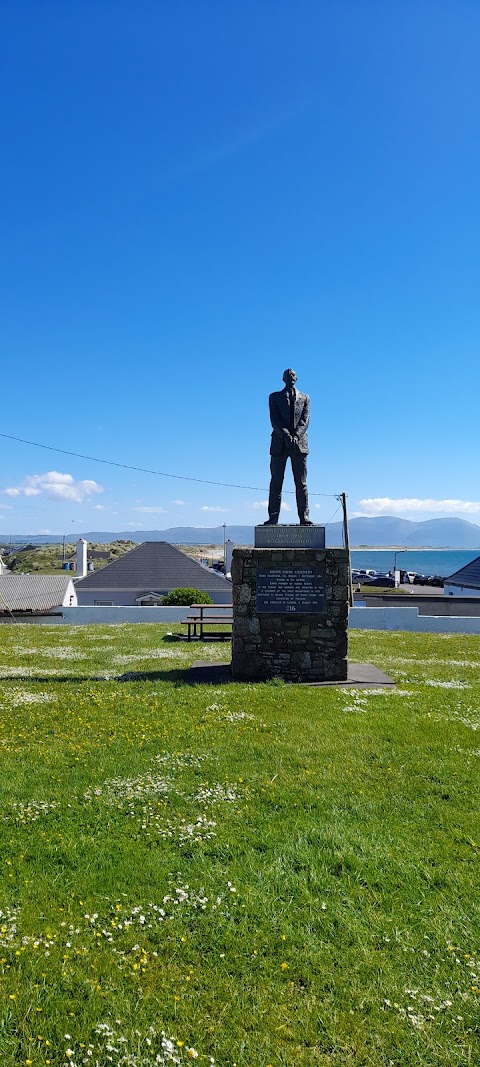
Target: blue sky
196, 196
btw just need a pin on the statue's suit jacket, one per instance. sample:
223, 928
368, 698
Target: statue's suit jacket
280, 420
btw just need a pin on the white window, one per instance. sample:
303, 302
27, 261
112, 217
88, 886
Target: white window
149, 600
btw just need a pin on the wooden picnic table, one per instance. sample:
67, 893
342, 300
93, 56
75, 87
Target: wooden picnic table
200, 619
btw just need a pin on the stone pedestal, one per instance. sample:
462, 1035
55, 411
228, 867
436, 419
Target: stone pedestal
290, 614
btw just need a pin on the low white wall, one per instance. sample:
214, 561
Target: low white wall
86, 614
409, 619
78, 616
360, 618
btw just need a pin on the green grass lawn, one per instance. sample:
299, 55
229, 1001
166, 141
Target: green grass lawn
376, 590
251, 874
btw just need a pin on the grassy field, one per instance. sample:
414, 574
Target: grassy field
48, 559
368, 590
253, 875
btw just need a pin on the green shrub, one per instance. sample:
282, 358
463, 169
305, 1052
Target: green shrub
186, 597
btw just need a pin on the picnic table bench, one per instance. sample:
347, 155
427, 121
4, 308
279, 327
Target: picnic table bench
199, 619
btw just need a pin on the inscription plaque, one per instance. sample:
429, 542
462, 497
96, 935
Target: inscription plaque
291, 590
284, 536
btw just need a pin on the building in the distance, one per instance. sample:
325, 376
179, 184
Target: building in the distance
35, 593
146, 574
465, 582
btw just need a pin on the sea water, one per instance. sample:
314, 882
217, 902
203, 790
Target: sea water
422, 561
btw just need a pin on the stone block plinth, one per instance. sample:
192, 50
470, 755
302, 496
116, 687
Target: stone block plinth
290, 614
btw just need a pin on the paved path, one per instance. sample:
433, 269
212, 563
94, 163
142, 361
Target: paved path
426, 590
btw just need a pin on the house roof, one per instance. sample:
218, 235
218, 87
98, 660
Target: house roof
34, 592
155, 565
468, 575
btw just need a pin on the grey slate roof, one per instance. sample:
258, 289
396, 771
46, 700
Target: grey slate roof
468, 575
35, 592
155, 565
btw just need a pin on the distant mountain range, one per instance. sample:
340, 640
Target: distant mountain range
386, 530
380, 532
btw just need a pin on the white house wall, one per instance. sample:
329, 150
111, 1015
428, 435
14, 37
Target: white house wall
460, 590
70, 598
129, 597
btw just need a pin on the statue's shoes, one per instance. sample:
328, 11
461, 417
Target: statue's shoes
307, 522
271, 522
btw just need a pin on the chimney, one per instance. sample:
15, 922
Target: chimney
81, 558
229, 547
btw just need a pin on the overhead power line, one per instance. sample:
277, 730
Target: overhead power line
146, 470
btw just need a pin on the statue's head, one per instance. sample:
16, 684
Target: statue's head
289, 377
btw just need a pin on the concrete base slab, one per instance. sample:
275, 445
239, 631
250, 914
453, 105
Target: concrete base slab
202, 673
360, 675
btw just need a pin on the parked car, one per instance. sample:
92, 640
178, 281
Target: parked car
437, 580
361, 577
383, 581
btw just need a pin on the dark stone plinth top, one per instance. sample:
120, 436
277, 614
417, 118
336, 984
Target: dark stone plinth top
281, 536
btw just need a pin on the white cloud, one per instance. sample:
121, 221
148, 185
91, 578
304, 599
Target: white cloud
57, 486
137, 525
178, 503
285, 506
206, 507
152, 510
5, 507
101, 507
385, 505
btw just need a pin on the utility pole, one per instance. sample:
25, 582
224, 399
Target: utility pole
346, 539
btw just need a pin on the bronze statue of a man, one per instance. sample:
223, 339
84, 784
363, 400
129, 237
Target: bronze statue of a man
289, 415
